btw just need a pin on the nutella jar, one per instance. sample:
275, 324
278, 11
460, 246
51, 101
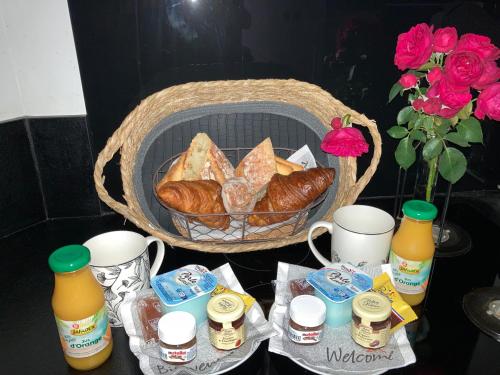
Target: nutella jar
226, 321
307, 316
371, 320
177, 334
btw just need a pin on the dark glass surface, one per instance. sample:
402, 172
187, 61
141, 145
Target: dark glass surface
451, 344
21, 202
65, 164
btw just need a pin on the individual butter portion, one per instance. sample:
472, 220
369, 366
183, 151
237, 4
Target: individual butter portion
185, 289
337, 286
248, 300
402, 313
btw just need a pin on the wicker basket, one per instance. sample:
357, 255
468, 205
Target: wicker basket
141, 122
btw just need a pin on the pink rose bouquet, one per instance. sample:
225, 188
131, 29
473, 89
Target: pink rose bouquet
445, 76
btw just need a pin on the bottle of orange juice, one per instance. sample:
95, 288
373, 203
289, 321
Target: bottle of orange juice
79, 309
412, 251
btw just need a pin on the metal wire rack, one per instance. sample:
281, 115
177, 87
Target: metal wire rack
190, 226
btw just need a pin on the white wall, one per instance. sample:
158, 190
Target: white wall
39, 73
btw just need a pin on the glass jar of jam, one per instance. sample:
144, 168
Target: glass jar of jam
226, 321
177, 334
371, 320
307, 317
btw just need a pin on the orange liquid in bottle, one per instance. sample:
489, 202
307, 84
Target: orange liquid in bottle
412, 251
81, 316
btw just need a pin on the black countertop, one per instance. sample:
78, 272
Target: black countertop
448, 344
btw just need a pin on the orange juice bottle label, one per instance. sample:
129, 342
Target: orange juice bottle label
85, 337
410, 276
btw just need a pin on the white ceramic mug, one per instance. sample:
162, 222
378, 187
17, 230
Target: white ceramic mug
120, 262
361, 235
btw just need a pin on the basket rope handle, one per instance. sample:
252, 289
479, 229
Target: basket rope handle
361, 183
113, 144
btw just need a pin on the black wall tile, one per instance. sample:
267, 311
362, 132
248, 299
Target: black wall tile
21, 202
65, 162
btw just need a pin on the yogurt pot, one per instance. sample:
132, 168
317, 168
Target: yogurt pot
185, 289
337, 286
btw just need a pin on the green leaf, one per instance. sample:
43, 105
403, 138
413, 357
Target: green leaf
395, 90
404, 115
432, 148
456, 138
418, 135
452, 165
465, 111
405, 153
423, 90
442, 129
428, 123
470, 130
428, 66
416, 73
419, 122
397, 132
454, 120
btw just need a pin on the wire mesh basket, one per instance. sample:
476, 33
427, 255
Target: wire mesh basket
191, 227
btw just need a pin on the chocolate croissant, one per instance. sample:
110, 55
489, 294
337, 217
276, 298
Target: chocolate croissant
291, 193
198, 197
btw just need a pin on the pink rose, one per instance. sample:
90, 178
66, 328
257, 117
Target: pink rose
462, 69
479, 44
434, 75
451, 97
418, 104
445, 39
432, 106
344, 142
491, 74
414, 47
448, 112
408, 80
488, 103
336, 123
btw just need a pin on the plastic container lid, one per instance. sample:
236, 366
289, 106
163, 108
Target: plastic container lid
225, 308
371, 306
69, 258
177, 328
420, 210
340, 282
183, 284
307, 311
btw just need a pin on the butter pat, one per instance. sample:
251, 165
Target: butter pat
336, 286
185, 289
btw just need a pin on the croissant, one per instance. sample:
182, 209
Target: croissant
291, 193
196, 197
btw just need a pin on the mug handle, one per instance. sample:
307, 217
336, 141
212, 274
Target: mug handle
315, 251
160, 254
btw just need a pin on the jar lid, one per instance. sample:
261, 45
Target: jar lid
372, 306
69, 258
307, 311
419, 210
225, 307
177, 328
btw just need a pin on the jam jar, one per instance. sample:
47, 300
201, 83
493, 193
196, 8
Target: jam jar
226, 321
177, 334
371, 320
307, 316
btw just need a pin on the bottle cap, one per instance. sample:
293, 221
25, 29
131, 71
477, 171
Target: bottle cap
177, 328
69, 258
371, 306
225, 308
419, 210
307, 311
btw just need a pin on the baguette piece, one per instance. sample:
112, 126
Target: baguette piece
175, 171
205, 161
258, 166
286, 167
196, 197
291, 193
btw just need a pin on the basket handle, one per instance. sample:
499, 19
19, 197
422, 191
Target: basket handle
113, 144
360, 184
